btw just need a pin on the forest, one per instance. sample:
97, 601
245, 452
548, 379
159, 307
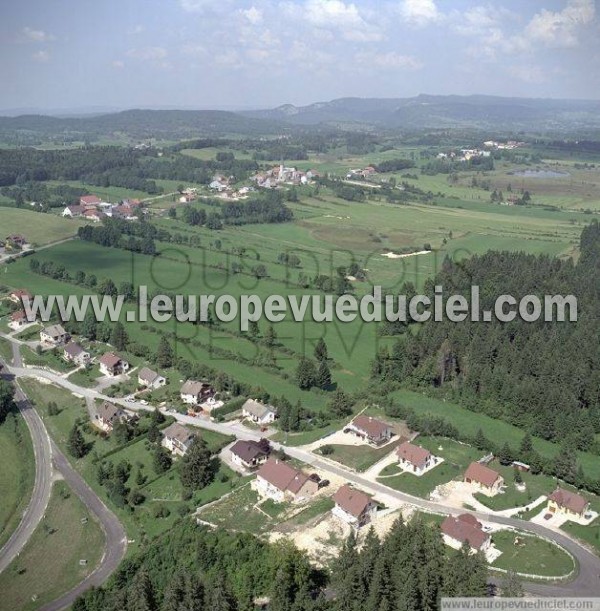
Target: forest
193, 568
540, 376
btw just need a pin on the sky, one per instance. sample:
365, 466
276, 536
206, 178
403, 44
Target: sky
229, 54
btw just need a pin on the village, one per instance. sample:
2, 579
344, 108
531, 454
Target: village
281, 489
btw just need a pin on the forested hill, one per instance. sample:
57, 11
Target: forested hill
140, 124
436, 111
544, 377
195, 569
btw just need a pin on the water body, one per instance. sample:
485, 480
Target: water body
541, 174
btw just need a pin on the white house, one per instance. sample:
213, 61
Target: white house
54, 335
258, 412
465, 528
74, 353
177, 439
73, 211
414, 459
107, 415
194, 393
279, 481
18, 320
112, 364
150, 379
249, 454
353, 507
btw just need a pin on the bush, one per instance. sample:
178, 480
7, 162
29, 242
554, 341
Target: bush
327, 450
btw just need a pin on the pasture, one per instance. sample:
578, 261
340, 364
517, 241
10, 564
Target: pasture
39, 229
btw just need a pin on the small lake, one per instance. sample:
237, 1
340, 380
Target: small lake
541, 174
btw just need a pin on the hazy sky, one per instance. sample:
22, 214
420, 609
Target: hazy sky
261, 53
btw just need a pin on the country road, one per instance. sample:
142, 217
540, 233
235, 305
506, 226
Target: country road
585, 583
48, 457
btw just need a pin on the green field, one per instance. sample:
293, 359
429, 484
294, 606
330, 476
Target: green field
17, 474
49, 565
38, 228
360, 458
141, 523
531, 555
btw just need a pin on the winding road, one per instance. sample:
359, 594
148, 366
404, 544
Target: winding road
585, 583
49, 458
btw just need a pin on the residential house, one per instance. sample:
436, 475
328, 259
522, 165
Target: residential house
73, 211
18, 295
93, 215
372, 430
567, 503
16, 240
250, 454
112, 364
150, 379
354, 507
258, 412
456, 531
89, 201
194, 393
487, 479
177, 439
54, 335
413, 458
18, 320
107, 415
74, 353
279, 481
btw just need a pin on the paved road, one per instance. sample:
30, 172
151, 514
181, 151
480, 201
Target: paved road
47, 456
41, 487
585, 583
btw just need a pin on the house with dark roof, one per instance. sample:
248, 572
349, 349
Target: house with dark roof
73, 211
150, 379
112, 364
107, 415
279, 481
75, 353
487, 480
54, 335
414, 458
258, 412
353, 506
456, 531
370, 429
250, 454
567, 503
177, 439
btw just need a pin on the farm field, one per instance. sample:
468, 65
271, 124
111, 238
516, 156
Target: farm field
17, 473
49, 565
38, 228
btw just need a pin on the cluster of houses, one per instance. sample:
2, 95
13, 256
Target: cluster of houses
281, 174
464, 155
508, 146
365, 173
92, 208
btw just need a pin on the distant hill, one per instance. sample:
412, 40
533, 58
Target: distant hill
431, 111
140, 124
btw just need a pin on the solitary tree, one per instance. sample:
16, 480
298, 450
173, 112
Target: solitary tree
197, 467
306, 374
323, 376
164, 353
76, 443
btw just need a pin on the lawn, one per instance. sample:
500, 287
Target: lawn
532, 556
38, 228
361, 457
51, 359
237, 512
17, 474
5, 350
49, 565
422, 486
